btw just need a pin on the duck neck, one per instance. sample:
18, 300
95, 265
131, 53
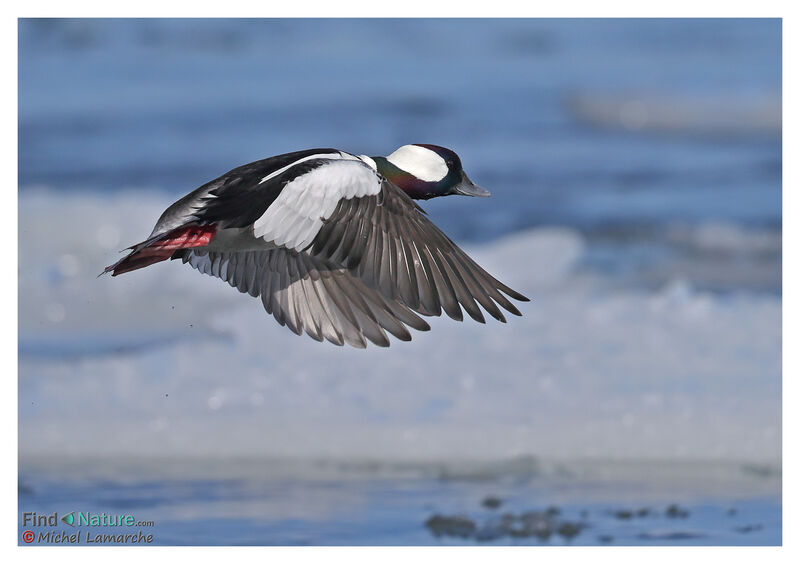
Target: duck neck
407, 182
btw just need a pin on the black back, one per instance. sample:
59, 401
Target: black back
238, 197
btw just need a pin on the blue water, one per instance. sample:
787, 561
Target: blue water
108, 104
654, 146
381, 505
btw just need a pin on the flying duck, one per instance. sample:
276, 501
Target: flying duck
332, 242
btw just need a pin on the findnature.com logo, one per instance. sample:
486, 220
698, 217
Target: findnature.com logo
75, 519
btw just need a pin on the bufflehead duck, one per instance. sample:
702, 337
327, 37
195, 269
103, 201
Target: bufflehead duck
332, 242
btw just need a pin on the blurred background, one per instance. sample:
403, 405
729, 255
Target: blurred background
635, 171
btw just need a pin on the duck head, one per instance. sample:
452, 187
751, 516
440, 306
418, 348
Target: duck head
427, 171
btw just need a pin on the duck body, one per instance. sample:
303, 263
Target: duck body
333, 243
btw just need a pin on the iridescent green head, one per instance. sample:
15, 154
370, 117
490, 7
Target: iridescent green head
427, 171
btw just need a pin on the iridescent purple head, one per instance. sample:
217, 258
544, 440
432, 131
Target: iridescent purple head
427, 171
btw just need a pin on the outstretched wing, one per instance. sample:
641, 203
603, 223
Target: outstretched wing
387, 241
308, 294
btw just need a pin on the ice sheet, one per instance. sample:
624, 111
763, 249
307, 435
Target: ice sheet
167, 361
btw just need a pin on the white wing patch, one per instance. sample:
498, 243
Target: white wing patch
369, 161
296, 215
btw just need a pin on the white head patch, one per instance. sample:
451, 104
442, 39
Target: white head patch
419, 161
